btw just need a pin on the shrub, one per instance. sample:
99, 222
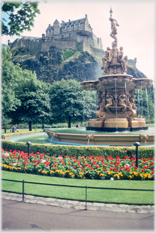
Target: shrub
121, 152
67, 53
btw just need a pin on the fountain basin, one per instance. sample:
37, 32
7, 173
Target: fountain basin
101, 139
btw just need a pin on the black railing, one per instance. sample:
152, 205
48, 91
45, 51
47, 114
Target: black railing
73, 186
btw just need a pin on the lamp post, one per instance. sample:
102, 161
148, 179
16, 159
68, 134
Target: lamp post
28, 143
137, 144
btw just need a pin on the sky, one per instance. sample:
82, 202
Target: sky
136, 19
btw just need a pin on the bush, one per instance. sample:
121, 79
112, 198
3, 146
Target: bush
144, 152
67, 53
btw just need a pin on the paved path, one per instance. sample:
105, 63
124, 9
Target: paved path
17, 215
80, 205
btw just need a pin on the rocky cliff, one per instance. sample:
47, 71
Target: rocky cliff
53, 65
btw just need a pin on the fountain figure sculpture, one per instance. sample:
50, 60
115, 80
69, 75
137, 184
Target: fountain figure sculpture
116, 108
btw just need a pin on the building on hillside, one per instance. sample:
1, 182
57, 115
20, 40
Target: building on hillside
76, 35
78, 30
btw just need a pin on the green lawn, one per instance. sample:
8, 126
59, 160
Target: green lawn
21, 130
96, 195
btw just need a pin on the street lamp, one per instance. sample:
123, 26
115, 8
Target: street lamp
137, 144
28, 143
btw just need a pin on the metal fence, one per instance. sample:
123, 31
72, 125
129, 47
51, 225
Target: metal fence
72, 186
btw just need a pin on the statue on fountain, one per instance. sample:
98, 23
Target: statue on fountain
115, 89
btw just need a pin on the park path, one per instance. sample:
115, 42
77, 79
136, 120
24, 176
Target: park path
17, 215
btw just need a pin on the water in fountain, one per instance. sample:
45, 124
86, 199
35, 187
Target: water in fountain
138, 106
126, 98
116, 103
142, 102
88, 140
147, 104
95, 104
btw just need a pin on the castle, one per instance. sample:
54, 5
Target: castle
76, 35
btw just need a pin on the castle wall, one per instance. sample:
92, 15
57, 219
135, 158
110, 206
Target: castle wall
60, 44
95, 51
33, 44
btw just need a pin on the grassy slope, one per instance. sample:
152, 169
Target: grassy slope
98, 195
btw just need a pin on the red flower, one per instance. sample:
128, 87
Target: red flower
142, 170
151, 163
104, 169
135, 167
74, 166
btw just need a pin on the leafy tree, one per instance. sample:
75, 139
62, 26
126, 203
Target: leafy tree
35, 107
20, 17
24, 98
11, 76
68, 101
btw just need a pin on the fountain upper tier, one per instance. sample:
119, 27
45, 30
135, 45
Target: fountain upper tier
107, 81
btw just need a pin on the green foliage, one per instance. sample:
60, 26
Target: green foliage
11, 76
67, 102
34, 103
24, 97
21, 17
67, 53
144, 152
79, 47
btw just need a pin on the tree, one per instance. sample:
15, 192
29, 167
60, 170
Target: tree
35, 107
11, 76
20, 17
24, 98
68, 103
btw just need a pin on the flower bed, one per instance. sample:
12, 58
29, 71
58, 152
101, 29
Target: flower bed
90, 167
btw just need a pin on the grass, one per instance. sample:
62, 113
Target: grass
96, 195
21, 130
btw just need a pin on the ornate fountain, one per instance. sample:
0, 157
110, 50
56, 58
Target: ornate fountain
115, 91
116, 110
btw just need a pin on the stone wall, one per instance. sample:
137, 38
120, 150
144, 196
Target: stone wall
95, 51
61, 44
33, 44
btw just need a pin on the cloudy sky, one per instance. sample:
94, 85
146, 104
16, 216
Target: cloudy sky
136, 19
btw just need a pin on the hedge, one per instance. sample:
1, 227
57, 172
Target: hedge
114, 151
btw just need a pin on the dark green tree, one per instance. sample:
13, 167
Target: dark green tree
35, 106
11, 76
69, 103
19, 17
24, 98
